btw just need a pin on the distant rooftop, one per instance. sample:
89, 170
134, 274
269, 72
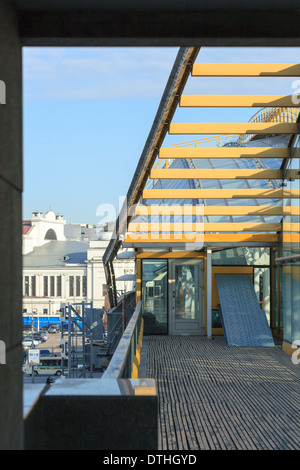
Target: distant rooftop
57, 254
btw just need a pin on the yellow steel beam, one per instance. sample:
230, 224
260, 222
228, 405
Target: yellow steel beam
208, 238
205, 227
228, 152
238, 101
187, 210
244, 193
170, 210
291, 238
246, 70
219, 174
291, 210
292, 174
234, 128
290, 227
171, 254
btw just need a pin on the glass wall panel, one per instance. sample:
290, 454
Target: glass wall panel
242, 256
186, 283
291, 271
155, 296
262, 289
291, 301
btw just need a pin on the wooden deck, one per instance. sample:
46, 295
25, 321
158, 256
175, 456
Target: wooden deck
215, 397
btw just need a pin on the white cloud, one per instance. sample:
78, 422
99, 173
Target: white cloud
78, 73
97, 73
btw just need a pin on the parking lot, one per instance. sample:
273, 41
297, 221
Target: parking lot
52, 343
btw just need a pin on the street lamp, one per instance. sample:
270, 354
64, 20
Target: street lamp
32, 337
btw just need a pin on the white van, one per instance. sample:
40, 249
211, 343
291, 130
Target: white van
48, 366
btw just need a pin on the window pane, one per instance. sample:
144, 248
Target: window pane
52, 290
155, 296
77, 286
26, 286
45, 286
33, 288
58, 286
71, 286
185, 290
84, 286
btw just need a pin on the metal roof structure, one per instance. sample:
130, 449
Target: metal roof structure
214, 196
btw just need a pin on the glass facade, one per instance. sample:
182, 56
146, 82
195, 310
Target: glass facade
155, 296
186, 288
241, 256
230, 163
276, 285
290, 271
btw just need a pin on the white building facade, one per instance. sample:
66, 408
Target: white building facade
59, 269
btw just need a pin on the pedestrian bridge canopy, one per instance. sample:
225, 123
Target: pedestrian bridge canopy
225, 195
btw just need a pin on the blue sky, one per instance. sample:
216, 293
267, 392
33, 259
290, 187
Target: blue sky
88, 113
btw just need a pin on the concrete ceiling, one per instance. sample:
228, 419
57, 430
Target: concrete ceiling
158, 22
156, 5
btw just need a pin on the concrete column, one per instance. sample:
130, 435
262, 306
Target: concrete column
11, 380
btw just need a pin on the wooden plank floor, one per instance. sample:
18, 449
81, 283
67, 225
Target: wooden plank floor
215, 397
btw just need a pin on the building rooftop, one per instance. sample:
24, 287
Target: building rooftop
57, 254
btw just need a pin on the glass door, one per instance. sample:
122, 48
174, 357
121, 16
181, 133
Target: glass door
186, 297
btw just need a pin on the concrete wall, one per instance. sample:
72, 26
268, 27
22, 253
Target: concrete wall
98, 414
11, 428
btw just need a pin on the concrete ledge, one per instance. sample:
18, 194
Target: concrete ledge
94, 414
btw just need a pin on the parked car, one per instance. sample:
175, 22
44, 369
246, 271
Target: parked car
28, 341
37, 337
44, 335
28, 328
54, 329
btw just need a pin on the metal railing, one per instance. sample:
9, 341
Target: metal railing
271, 114
121, 365
117, 320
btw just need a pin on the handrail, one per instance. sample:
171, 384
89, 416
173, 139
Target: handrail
122, 359
288, 259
